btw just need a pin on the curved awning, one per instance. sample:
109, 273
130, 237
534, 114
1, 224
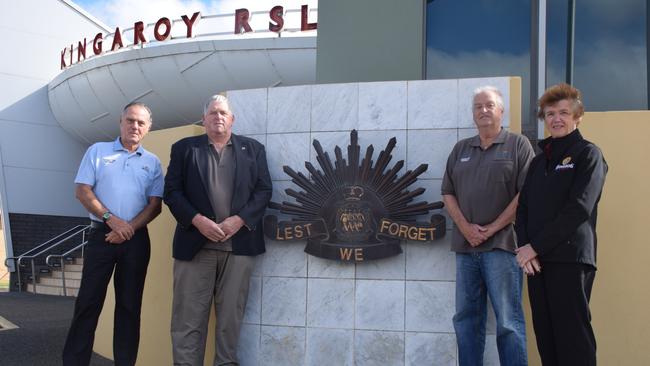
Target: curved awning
174, 79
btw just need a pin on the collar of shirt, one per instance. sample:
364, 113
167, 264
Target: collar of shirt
117, 146
229, 143
557, 147
498, 139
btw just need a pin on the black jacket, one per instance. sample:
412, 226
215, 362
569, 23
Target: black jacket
558, 203
186, 195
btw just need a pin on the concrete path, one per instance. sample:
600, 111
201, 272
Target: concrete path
42, 324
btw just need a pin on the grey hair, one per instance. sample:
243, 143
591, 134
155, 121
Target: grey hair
215, 98
138, 104
490, 89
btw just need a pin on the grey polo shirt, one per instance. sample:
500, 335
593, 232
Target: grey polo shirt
221, 179
484, 182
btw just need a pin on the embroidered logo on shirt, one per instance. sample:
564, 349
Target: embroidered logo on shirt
110, 159
566, 164
464, 159
145, 168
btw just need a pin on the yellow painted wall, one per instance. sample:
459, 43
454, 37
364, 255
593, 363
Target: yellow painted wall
155, 339
515, 104
621, 294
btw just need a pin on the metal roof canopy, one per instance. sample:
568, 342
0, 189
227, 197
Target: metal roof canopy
173, 79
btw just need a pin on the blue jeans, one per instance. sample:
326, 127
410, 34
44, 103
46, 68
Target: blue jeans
497, 275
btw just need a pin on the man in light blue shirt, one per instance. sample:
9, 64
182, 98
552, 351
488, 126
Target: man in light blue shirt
121, 185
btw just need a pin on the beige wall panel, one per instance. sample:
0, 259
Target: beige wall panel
620, 298
155, 340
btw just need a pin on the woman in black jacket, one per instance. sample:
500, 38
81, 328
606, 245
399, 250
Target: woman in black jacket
556, 231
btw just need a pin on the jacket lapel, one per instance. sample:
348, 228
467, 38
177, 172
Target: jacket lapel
201, 161
239, 151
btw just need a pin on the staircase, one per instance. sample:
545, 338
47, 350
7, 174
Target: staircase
49, 280
45, 270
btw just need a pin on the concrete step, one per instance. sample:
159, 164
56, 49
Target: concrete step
52, 290
72, 268
68, 261
73, 260
74, 275
69, 283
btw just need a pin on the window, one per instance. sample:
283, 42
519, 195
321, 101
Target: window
610, 53
469, 38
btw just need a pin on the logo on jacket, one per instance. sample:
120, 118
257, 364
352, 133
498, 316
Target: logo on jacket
354, 210
566, 164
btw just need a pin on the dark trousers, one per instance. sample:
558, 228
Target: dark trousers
559, 299
130, 260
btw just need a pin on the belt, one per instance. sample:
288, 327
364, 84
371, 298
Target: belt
98, 225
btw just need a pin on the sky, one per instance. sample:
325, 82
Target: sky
124, 13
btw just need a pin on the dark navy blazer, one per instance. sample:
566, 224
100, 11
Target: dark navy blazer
186, 193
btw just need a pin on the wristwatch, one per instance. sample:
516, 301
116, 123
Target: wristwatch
107, 215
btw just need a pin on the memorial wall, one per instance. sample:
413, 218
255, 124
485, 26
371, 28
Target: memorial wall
347, 308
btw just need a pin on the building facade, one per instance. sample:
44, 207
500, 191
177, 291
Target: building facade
49, 116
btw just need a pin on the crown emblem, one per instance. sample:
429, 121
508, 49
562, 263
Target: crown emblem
352, 193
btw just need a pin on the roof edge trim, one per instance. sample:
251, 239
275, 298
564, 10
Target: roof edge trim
86, 14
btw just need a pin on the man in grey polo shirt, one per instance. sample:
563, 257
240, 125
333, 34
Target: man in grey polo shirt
480, 189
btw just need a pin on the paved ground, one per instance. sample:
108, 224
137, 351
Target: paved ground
43, 323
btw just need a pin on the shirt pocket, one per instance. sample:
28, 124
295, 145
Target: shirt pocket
500, 170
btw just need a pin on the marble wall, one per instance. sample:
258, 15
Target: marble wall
303, 310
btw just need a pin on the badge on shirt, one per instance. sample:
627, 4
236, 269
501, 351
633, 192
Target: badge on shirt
464, 160
566, 164
110, 159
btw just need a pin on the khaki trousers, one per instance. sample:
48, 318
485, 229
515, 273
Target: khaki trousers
210, 274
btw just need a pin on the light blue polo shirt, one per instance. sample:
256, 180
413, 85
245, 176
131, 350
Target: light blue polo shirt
121, 180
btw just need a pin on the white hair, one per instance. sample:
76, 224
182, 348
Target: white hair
490, 89
215, 98
137, 104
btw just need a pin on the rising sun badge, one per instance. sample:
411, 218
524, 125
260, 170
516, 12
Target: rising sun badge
355, 210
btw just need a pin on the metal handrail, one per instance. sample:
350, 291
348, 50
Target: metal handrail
62, 260
18, 261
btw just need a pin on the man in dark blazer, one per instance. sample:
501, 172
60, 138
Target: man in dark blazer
217, 187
